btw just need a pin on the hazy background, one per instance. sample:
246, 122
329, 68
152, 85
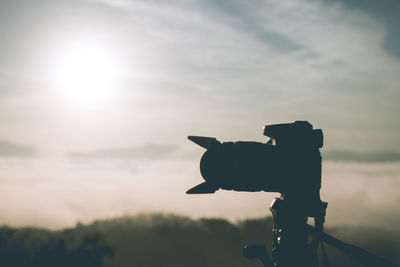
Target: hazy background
97, 98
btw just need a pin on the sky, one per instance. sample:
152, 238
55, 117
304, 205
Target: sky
97, 98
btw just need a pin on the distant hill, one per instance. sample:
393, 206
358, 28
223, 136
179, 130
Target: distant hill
149, 240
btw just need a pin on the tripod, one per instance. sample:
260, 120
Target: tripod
291, 247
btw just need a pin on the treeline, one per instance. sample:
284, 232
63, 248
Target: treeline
166, 240
28, 247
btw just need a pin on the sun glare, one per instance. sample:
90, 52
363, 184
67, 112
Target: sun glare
85, 73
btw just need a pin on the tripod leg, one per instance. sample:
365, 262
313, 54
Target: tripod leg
324, 255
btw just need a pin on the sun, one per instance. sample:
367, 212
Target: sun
85, 73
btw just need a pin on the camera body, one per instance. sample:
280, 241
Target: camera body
289, 163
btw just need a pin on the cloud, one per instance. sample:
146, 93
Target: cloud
238, 64
385, 12
8, 149
349, 156
144, 152
248, 19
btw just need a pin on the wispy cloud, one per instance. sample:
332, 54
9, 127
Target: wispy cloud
175, 152
349, 156
385, 12
145, 152
237, 63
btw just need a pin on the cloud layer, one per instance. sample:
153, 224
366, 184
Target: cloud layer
57, 193
349, 156
8, 149
145, 152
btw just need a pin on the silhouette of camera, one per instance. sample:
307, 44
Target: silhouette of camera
289, 163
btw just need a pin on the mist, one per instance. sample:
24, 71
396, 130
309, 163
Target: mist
59, 192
